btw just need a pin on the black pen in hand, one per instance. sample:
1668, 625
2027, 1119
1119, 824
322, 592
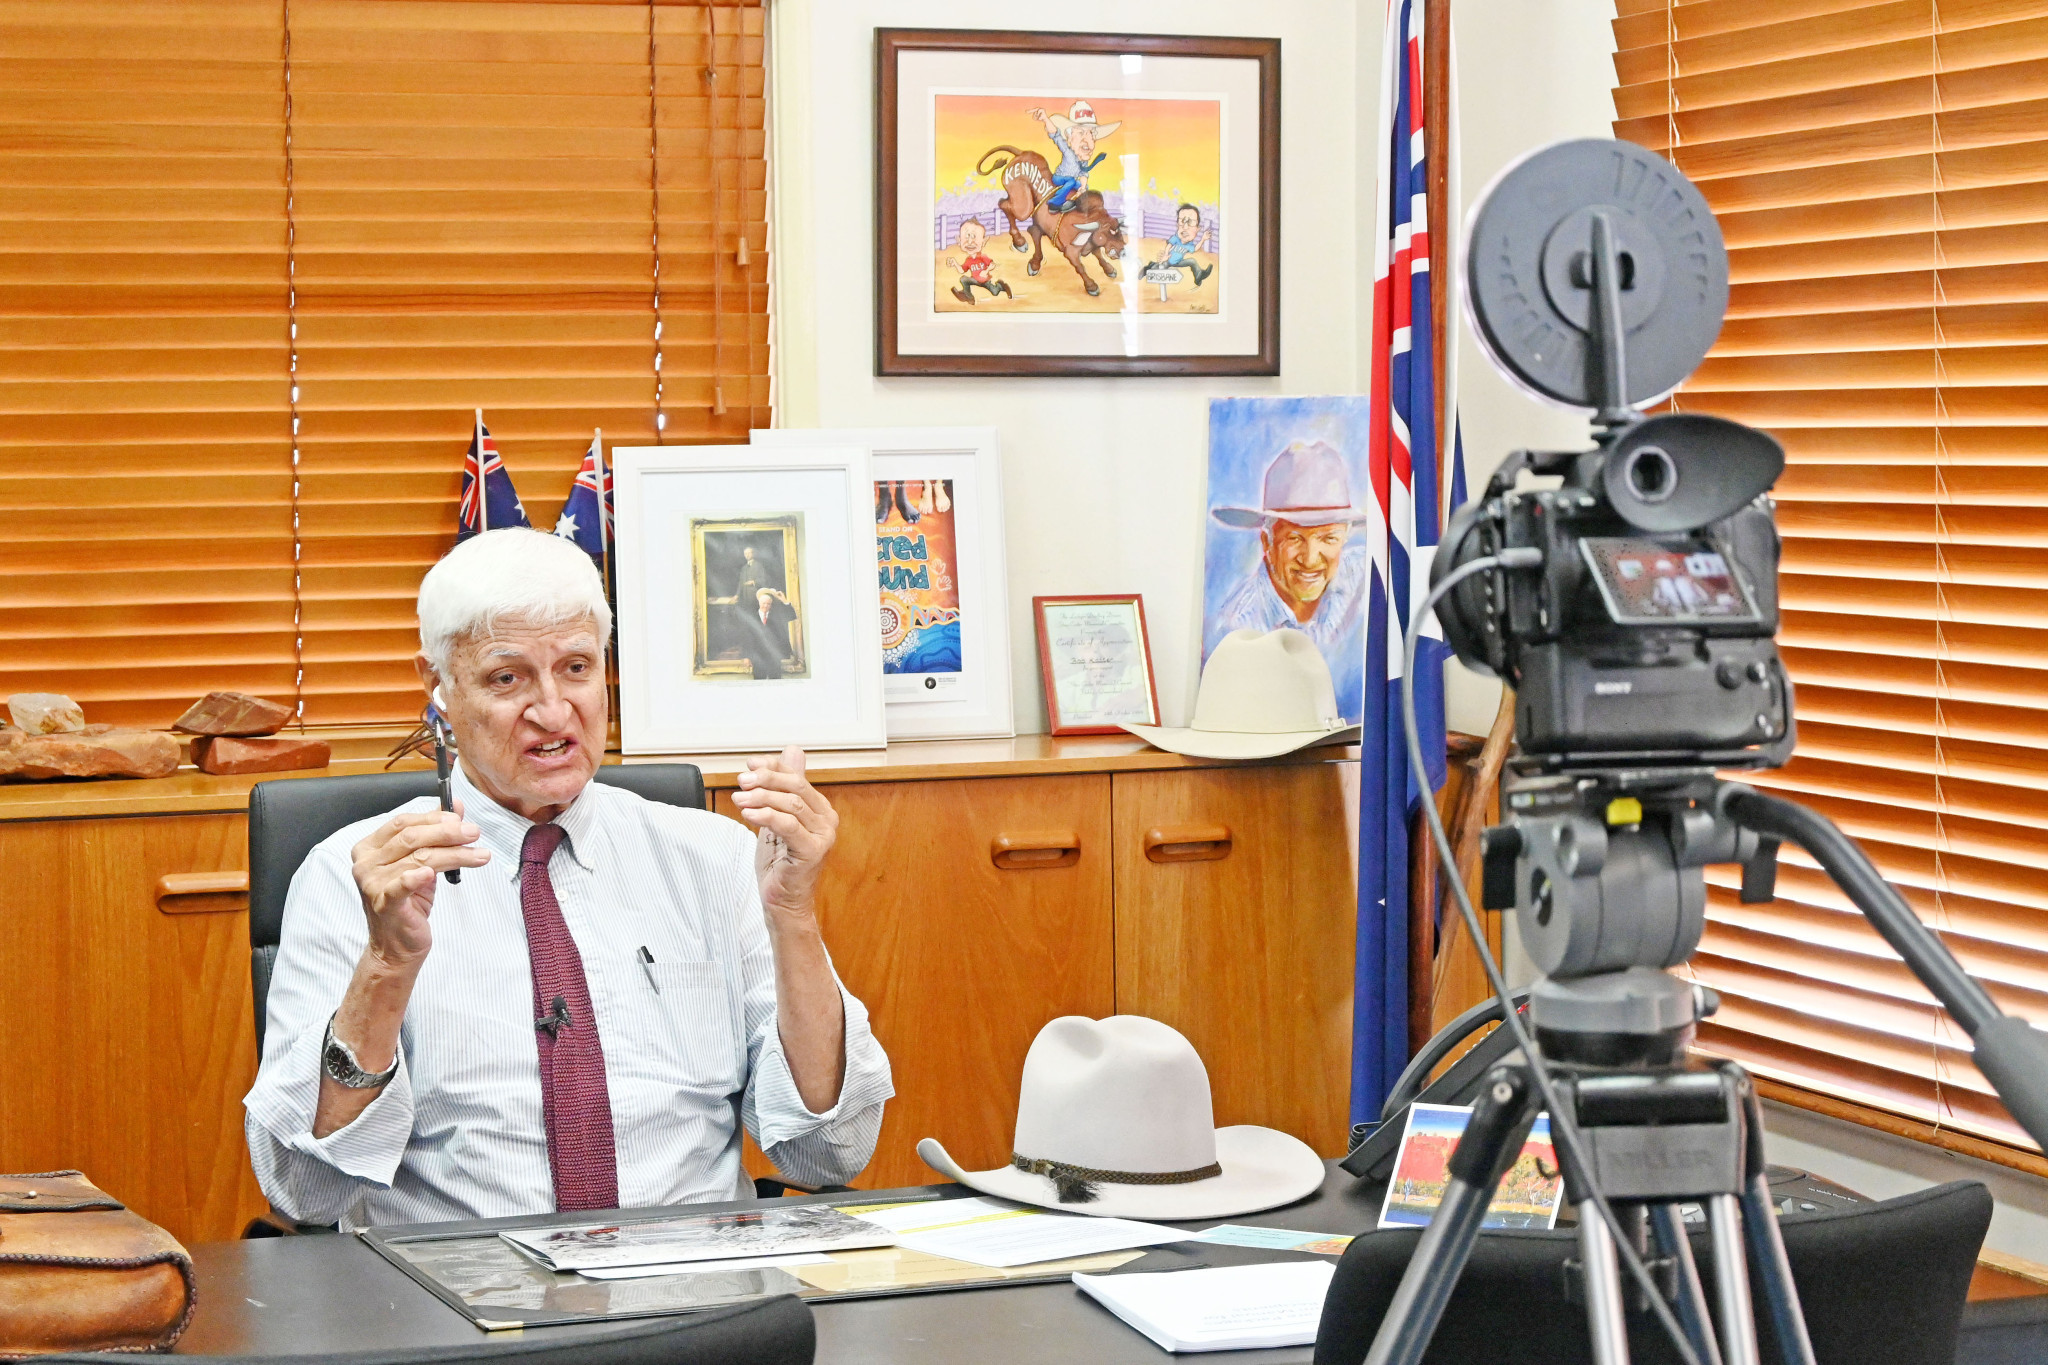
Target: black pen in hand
441, 774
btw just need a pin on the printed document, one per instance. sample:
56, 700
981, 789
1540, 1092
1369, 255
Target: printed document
1229, 1308
998, 1233
777, 1230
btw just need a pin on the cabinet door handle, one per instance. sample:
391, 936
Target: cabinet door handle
1187, 843
202, 893
1035, 849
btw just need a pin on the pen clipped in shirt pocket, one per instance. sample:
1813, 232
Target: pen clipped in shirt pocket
696, 1007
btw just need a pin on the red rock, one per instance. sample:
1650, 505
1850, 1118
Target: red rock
233, 713
229, 756
46, 713
117, 753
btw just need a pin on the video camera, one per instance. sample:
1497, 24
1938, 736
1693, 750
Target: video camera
1644, 637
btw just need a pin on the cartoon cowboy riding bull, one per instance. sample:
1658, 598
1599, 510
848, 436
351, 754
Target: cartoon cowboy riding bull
1056, 203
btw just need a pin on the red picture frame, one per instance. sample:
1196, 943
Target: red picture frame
1061, 723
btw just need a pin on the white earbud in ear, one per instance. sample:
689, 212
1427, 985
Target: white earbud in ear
439, 704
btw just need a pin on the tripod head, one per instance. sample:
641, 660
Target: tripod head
1606, 871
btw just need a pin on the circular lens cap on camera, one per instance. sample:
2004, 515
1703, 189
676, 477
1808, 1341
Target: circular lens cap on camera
1528, 283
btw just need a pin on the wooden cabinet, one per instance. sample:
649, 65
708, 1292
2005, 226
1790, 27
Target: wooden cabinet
1235, 923
125, 1036
971, 899
965, 915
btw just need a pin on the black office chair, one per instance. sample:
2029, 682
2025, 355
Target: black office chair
1879, 1282
777, 1331
286, 818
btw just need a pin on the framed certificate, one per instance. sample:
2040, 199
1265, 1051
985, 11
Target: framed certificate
1096, 658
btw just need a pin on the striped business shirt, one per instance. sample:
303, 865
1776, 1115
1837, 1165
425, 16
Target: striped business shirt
691, 1056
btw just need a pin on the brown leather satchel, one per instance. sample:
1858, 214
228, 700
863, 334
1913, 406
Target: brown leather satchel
79, 1272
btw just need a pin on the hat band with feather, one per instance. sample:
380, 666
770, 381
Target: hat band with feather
1076, 1184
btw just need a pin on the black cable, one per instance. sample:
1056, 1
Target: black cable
1563, 1127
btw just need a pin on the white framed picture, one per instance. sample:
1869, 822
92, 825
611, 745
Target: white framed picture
744, 620
943, 585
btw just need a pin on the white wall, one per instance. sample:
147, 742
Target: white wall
1078, 522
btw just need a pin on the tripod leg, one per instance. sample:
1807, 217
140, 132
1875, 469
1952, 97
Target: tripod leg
1601, 1267
1669, 1229
1731, 1280
1476, 1166
1781, 1296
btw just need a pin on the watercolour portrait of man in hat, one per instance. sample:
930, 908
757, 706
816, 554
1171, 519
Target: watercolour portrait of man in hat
1289, 541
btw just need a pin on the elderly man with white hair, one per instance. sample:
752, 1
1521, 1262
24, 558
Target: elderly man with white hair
591, 1015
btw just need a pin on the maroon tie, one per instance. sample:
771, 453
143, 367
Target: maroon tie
575, 1104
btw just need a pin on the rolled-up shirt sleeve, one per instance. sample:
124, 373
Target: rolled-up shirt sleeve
309, 1179
812, 1148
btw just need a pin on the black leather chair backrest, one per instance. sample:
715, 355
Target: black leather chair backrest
288, 817
777, 1331
1879, 1282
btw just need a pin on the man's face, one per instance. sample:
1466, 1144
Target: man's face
972, 235
1082, 139
1186, 224
765, 600
528, 708
1301, 560
748, 551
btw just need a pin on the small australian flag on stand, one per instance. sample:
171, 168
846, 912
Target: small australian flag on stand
489, 502
585, 516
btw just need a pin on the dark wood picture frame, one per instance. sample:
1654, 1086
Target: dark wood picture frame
1052, 700
890, 43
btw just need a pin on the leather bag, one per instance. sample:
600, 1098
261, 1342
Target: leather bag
80, 1272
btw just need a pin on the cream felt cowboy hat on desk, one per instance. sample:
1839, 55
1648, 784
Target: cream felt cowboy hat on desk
1114, 1119
1261, 696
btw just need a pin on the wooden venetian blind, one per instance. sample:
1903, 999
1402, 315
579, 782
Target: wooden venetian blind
554, 211
145, 527
1880, 172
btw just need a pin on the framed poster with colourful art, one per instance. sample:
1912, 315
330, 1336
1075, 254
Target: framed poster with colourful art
941, 579
1076, 203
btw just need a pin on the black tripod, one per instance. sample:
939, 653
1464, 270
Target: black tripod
1607, 868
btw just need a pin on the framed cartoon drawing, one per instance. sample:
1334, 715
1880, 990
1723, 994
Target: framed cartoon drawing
942, 585
1096, 658
1076, 203
742, 620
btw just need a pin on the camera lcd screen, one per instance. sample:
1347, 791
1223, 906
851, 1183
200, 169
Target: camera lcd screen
1645, 582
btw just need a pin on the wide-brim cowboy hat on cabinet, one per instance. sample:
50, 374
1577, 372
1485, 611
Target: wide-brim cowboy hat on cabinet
1261, 696
1114, 1119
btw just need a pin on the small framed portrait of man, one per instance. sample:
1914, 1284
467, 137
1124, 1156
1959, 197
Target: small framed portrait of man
749, 620
746, 614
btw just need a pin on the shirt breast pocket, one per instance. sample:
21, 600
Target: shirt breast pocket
698, 1027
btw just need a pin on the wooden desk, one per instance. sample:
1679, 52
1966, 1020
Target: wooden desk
980, 889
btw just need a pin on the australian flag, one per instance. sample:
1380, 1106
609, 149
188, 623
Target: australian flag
583, 518
488, 500
1403, 448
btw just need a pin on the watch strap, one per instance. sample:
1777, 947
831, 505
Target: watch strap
338, 1063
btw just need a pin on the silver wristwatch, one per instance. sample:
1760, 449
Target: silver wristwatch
341, 1066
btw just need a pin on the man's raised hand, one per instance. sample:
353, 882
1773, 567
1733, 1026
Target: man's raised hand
797, 825
396, 870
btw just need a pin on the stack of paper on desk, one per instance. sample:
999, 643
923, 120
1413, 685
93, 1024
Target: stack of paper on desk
1226, 1309
995, 1232
796, 1229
